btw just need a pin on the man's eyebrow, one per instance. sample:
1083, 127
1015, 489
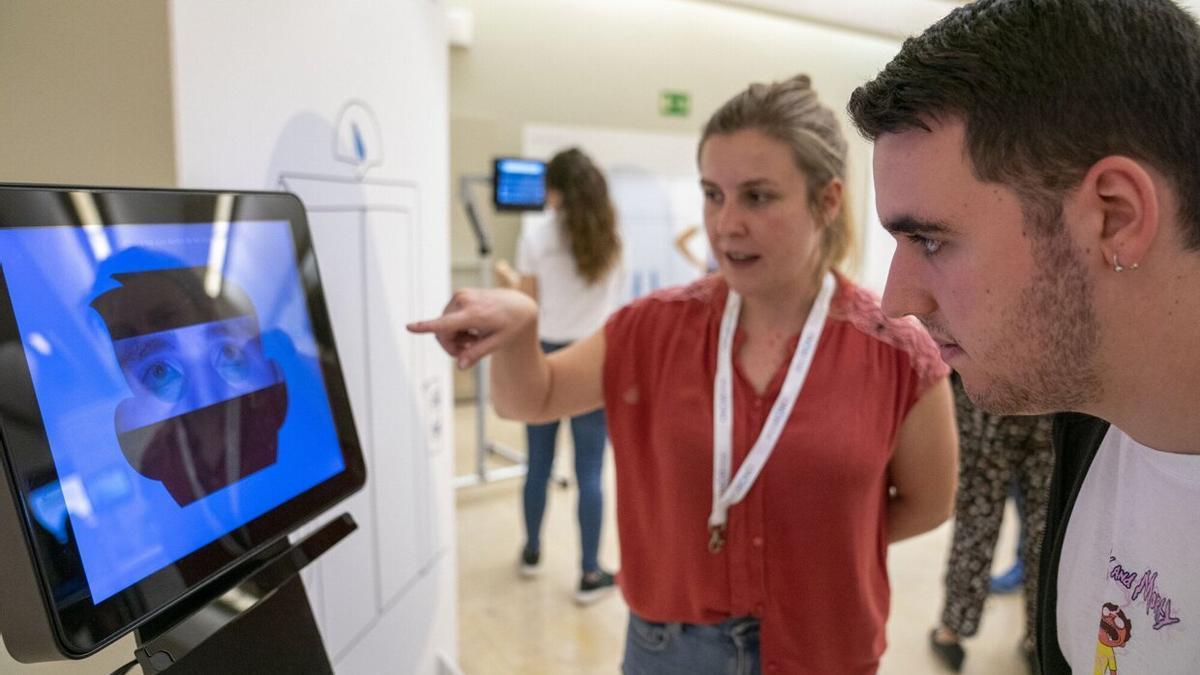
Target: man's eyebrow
908, 225
237, 326
135, 349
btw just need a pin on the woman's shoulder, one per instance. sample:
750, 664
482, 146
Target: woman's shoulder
539, 228
665, 306
540, 239
701, 293
860, 308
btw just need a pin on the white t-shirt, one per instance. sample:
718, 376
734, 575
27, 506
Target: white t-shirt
1129, 575
568, 307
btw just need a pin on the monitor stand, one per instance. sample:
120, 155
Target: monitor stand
264, 624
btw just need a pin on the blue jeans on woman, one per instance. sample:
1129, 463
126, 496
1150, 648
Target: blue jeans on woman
589, 433
728, 648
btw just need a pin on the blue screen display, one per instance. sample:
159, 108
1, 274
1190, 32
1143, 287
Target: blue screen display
178, 380
520, 182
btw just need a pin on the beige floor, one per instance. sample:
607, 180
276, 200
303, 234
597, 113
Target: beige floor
509, 625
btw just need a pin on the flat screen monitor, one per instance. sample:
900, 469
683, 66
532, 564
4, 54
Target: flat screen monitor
519, 184
172, 404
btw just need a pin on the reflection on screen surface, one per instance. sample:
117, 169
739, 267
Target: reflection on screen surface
181, 391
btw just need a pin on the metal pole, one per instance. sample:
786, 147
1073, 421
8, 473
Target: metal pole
483, 446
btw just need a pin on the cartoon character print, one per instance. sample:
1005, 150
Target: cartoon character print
1115, 631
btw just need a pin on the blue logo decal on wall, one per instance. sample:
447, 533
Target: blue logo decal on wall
357, 140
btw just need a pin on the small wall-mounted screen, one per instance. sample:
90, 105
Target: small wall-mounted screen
519, 184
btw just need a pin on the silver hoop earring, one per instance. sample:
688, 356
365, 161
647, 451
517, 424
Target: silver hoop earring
1117, 264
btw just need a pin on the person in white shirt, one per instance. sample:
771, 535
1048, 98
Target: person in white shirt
1037, 161
570, 262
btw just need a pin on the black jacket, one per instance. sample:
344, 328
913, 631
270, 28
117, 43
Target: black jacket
1077, 437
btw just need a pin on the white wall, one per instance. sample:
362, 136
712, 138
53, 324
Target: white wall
877, 246
271, 94
85, 93
603, 64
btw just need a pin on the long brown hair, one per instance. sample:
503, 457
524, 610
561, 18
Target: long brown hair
586, 213
790, 112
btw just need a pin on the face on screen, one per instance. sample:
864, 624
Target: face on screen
206, 403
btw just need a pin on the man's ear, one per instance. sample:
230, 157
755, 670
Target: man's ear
1119, 203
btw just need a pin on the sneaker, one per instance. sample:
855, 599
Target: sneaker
949, 653
1010, 580
530, 564
594, 586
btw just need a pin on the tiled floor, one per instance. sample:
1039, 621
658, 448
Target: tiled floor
510, 625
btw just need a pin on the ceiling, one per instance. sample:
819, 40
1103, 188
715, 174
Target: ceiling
895, 19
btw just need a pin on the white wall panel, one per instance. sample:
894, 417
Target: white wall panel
344, 104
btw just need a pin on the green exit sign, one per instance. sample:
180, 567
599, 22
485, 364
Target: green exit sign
674, 103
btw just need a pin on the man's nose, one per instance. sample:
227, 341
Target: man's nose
905, 292
206, 387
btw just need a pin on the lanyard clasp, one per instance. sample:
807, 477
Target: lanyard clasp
716, 538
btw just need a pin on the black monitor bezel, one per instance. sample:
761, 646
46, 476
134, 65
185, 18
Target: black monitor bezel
510, 206
81, 627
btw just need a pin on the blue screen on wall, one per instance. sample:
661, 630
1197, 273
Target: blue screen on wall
519, 184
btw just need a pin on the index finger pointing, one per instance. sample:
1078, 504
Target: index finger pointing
447, 323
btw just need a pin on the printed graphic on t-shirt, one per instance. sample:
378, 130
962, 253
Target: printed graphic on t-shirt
1141, 596
1145, 593
1131, 554
1115, 631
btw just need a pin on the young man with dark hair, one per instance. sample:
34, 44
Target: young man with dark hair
1039, 163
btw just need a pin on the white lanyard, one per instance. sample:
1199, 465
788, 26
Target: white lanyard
726, 493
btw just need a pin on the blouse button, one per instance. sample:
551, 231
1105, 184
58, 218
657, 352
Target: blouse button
757, 541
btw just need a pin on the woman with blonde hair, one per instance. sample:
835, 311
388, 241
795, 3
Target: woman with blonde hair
772, 430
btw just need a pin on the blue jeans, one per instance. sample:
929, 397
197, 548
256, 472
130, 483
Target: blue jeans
728, 648
589, 433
